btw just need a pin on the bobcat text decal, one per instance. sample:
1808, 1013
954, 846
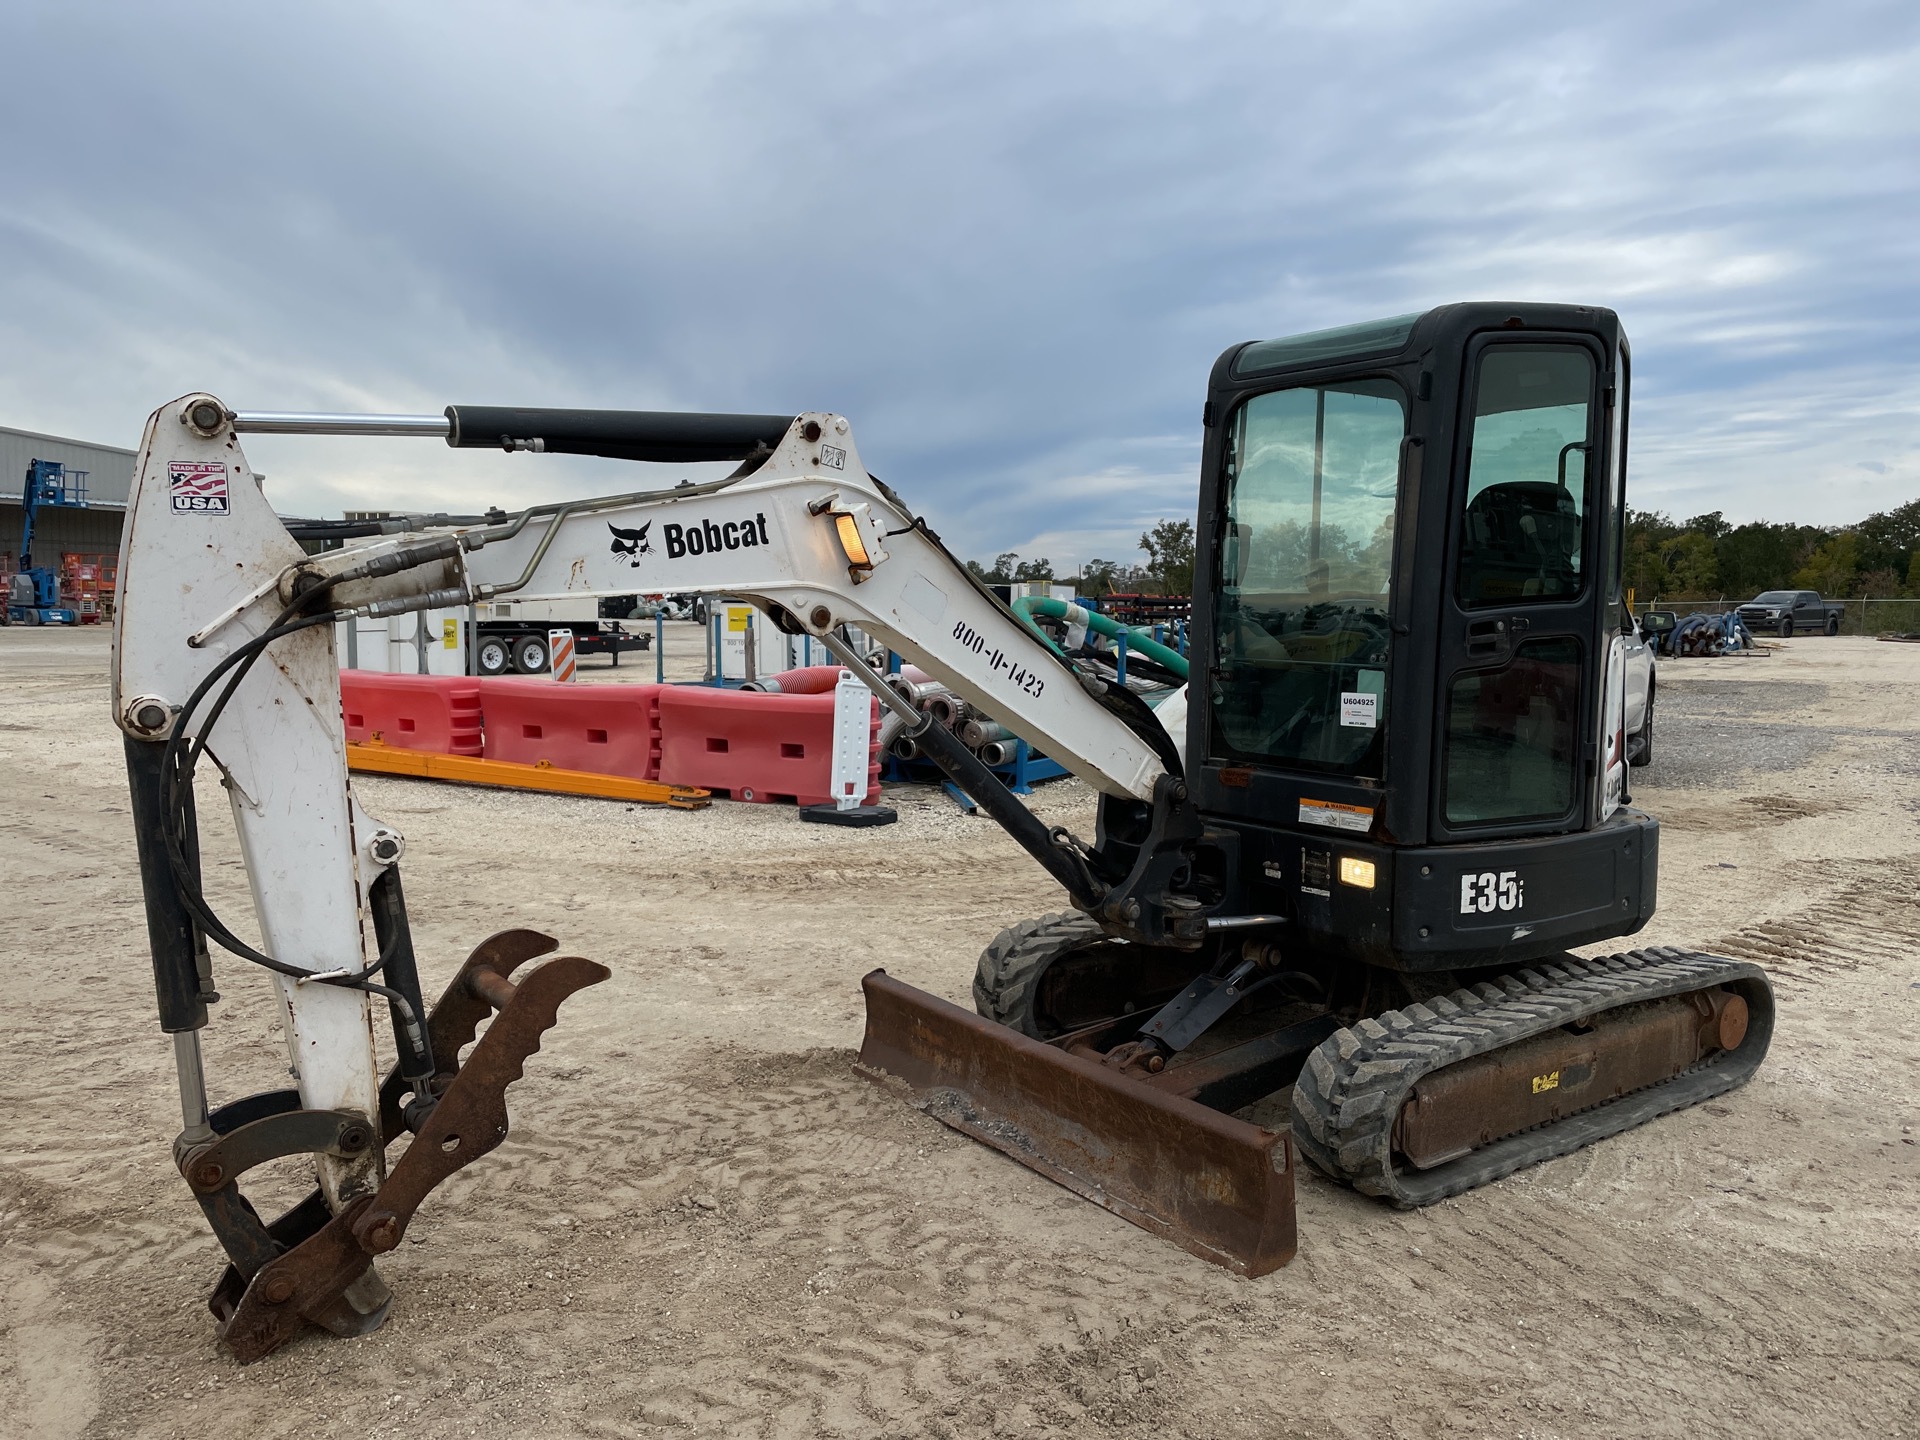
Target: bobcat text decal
705, 537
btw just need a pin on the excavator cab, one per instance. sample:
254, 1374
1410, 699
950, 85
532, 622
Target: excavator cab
1410, 553
1404, 801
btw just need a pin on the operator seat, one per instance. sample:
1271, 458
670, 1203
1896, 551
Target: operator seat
1521, 540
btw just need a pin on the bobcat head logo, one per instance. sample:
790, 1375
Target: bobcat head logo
632, 543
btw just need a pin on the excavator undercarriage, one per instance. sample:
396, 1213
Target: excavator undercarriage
1412, 1104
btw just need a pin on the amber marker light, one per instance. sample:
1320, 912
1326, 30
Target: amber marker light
1356, 872
851, 540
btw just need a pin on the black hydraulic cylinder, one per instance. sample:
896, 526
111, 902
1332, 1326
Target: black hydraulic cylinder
180, 963
970, 773
402, 973
665, 436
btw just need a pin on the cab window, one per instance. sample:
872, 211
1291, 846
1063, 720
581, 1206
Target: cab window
1302, 635
1528, 500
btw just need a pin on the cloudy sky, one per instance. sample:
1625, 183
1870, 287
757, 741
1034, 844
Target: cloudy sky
1007, 240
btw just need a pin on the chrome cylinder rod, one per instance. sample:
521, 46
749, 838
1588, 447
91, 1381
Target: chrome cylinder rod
278, 422
193, 1086
1243, 922
915, 721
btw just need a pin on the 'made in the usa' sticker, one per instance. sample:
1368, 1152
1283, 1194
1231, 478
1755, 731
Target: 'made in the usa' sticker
197, 487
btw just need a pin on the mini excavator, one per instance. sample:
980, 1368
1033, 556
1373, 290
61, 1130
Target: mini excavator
1338, 878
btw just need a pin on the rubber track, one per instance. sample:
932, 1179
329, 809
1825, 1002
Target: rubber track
1354, 1084
1012, 965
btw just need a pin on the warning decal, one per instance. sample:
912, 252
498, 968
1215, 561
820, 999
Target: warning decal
1357, 818
197, 487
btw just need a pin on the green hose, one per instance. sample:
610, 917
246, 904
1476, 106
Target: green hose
1140, 642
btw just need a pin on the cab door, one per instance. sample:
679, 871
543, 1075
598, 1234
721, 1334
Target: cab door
1524, 659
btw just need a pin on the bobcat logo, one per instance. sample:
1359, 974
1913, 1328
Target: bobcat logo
632, 543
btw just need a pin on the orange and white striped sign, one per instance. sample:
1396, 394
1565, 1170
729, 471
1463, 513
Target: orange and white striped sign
560, 648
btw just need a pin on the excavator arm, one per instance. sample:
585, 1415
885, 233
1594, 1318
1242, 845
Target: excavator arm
224, 651
807, 535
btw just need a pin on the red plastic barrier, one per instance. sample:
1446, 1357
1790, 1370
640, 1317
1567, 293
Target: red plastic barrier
440, 713
608, 729
748, 746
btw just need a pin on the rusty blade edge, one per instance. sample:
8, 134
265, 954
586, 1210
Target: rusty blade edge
992, 1132
1220, 1188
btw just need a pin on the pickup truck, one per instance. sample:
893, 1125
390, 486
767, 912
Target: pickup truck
1785, 611
1637, 651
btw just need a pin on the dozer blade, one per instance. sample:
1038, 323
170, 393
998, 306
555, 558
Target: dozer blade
1219, 1187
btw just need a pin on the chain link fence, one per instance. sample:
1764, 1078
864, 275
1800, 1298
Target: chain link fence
1859, 617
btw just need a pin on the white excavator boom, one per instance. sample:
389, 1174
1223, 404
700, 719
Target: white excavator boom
223, 645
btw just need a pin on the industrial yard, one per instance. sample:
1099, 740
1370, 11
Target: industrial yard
704, 1223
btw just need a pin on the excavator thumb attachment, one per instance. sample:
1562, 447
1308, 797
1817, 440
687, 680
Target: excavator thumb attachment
316, 1268
1219, 1187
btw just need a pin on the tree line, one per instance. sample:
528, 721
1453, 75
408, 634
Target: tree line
1168, 569
1706, 557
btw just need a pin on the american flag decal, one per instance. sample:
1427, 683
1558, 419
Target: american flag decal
197, 487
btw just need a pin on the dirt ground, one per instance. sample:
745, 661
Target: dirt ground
704, 1223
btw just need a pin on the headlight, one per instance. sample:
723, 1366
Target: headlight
1356, 872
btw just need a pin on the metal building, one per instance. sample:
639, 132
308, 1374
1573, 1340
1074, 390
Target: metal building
61, 530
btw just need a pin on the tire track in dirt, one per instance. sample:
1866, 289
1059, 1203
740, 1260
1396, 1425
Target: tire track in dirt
1872, 920
794, 1190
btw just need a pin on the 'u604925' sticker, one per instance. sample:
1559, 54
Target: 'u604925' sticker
197, 487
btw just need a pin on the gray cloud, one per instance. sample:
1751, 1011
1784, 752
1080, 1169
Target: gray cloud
1007, 241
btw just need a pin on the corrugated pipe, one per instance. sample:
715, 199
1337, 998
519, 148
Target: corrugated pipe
806, 680
891, 724
1140, 642
916, 693
947, 709
977, 732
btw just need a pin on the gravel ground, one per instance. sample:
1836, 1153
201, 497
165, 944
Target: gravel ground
703, 1223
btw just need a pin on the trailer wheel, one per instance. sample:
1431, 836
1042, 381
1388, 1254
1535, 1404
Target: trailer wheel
493, 657
529, 654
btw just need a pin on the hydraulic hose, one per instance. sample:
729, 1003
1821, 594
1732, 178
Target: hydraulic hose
1139, 641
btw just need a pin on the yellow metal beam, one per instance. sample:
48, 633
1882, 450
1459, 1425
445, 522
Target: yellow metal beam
376, 758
